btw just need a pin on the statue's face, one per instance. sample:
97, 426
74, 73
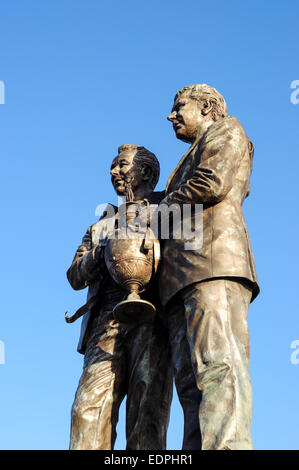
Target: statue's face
186, 118
124, 170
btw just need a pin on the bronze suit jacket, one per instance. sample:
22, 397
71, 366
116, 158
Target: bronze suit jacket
215, 172
87, 270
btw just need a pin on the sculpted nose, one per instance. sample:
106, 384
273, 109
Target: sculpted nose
171, 116
113, 172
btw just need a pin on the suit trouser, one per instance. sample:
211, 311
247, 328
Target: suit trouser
208, 329
119, 361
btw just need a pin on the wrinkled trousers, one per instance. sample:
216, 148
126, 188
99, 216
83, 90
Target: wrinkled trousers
208, 330
133, 361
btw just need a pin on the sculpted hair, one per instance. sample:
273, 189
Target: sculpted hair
202, 93
144, 157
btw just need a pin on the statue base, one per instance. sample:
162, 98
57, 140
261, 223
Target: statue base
134, 311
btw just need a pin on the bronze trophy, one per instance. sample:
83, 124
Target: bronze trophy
132, 261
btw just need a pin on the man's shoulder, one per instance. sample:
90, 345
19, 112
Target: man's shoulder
105, 222
105, 212
226, 127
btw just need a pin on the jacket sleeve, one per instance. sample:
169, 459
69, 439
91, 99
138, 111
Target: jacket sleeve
87, 264
221, 152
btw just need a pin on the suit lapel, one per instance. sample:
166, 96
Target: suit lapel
179, 165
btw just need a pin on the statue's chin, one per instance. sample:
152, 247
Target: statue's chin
120, 190
183, 137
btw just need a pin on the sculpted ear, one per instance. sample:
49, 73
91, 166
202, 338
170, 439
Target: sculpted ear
146, 172
207, 107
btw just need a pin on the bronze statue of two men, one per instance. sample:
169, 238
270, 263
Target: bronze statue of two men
199, 334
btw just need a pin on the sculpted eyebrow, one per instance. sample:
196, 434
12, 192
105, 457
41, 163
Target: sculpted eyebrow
178, 105
121, 160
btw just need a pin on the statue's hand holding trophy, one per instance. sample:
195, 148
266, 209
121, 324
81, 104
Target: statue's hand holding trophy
131, 252
132, 257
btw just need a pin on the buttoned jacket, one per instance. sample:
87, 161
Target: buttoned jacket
214, 172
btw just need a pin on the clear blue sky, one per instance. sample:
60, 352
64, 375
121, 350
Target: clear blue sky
82, 78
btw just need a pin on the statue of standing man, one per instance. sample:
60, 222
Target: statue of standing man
206, 291
121, 360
